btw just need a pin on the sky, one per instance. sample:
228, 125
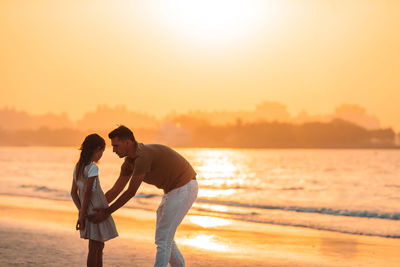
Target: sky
159, 56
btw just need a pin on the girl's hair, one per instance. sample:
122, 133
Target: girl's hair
88, 147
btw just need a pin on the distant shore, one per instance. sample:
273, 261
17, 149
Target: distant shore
41, 232
188, 133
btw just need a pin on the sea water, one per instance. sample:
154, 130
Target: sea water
350, 191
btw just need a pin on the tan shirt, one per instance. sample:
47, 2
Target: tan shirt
161, 166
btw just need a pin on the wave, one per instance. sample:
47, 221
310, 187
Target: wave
392, 185
249, 188
226, 186
40, 188
46, 189
248, 214
294, 188
53, 197
57, 194
143, 195
263, 220
321, 210
320, 227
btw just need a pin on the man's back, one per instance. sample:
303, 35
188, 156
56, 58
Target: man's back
162, 166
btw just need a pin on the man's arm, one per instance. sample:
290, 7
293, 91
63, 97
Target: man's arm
117, 187
102, 214
128, 194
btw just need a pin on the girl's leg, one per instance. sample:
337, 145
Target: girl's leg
95, 255
100, 254
92, 255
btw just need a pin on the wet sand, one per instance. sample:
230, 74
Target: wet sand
40, 232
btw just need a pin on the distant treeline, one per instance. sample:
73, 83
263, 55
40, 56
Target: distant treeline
335, 134
55, 137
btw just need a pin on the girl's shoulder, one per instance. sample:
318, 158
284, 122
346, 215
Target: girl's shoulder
92, 165
92, 170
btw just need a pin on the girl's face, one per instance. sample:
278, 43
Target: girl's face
97, 154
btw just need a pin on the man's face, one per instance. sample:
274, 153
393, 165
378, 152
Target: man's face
120, 147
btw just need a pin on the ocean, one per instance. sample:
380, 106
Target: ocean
348, 191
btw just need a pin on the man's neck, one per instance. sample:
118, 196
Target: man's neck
132, 151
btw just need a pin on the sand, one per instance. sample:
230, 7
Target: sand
40, 232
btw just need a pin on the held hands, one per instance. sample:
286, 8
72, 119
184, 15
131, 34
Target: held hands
100, 216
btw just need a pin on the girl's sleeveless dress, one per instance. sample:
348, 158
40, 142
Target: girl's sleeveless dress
106, 229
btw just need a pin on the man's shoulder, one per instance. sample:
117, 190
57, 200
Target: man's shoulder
143, 148
150, 145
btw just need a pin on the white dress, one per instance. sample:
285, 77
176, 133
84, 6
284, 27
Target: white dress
106, 229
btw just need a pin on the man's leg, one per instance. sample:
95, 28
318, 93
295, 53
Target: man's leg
176, 258
170, 214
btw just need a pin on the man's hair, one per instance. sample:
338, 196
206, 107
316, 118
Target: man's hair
122, 133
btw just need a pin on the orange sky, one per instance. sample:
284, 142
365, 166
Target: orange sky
158, 56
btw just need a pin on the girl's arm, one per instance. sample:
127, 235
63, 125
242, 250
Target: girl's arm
85, 203
74, 194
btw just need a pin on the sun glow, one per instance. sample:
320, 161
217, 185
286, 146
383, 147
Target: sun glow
211, 22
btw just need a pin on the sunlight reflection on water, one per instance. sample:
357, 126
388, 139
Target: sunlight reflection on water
219, 208
215, 193
204, 241
207, 221
212, 169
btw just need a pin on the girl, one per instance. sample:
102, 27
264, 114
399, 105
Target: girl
88, 196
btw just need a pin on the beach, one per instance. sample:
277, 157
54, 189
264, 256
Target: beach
40, 232
254, 208
282, 111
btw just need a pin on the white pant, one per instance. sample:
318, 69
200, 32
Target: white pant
170, 213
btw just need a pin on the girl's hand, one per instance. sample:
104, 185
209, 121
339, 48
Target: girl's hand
80, 224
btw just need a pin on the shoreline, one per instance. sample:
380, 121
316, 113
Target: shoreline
238, 219
203, 240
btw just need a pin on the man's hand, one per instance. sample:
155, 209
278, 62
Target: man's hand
100, 216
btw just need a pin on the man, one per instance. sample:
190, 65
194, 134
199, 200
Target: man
166, 169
